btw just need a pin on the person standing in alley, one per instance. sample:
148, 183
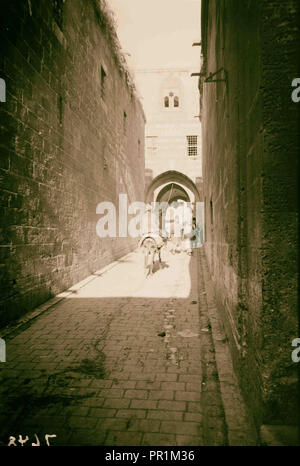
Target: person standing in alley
194, 237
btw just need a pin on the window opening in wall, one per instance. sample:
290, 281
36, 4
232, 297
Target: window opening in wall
60, 109
192, 145
103, 82
211, 212
171, 100
124, 122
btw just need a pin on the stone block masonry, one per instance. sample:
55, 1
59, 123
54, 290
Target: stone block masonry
250, 138
72, 135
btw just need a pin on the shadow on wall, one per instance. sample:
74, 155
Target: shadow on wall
148, 179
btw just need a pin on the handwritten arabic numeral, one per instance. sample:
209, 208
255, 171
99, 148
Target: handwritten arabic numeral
12, 441
47, 436
21, 441
37, 444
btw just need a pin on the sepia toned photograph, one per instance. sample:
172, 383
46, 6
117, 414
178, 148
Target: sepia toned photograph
149, 226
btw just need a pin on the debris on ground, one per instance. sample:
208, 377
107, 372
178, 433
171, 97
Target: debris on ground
162, 334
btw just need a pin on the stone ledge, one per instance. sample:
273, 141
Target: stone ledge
240, 427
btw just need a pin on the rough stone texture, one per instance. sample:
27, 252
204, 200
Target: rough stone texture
64, 148
249, 169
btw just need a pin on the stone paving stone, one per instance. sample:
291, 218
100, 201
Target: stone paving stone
115, 403
196, 417
172, 405
159, 440
194, 407
161, 395
167, 377
165, 415
172, 386
125, 384
188, 441
176, 427
102, 412
144, 425
136, 394
87, 437
123, 438
112, 393
147, 385
131, 413
146, 404
187, 396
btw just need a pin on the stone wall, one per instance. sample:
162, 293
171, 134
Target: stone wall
249, 126
72, 136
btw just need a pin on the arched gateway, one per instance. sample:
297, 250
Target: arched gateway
182, 188
172, 186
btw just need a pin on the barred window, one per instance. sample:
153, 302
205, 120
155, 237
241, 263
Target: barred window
124, 123
192, 147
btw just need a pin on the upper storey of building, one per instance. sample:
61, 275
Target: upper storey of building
168, 95
173, 132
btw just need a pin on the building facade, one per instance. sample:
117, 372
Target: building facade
173, 146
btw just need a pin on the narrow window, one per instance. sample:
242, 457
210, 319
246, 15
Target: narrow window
176, 101
60, 109
124, 122
192, 145
103, 82
166, 101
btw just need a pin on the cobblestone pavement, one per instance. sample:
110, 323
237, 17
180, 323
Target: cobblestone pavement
124, 360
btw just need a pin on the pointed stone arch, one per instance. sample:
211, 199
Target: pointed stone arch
172, 176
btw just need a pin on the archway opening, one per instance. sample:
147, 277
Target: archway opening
172, 192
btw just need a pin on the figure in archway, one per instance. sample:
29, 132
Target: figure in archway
194, 237
152, 241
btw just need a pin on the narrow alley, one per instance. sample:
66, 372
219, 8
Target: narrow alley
149, 223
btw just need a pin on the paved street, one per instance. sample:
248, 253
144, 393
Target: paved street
123, 360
